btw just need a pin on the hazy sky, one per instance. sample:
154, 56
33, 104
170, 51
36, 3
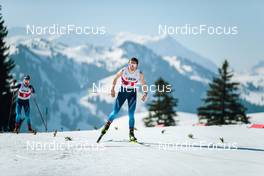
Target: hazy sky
243, 50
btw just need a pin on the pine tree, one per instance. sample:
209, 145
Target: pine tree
162, 108
6, 65
222, 104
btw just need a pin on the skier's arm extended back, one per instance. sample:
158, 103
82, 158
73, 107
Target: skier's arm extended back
117, 76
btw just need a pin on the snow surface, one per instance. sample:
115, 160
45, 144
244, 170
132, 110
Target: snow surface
114, 156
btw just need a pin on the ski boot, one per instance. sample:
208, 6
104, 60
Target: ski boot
104, 130
16, 129
132, 137
30, 130
18, 125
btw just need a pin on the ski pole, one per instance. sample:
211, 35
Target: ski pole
46, 119
11, 106
40, 114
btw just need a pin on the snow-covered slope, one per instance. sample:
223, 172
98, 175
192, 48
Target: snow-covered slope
182, 119
185, 67
252, 84
168, 153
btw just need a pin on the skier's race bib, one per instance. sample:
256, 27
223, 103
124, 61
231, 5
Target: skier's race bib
130, 80
24, 92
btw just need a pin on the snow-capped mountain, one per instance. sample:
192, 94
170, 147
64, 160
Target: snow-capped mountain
165, 46
161, 44
252, 84
86, 53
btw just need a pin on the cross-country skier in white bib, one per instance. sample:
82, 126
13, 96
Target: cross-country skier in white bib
130, 76
24, 92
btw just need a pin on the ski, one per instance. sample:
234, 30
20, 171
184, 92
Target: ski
34, 132
100, 137
132, 142
140, 143
104, 130
135, 142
